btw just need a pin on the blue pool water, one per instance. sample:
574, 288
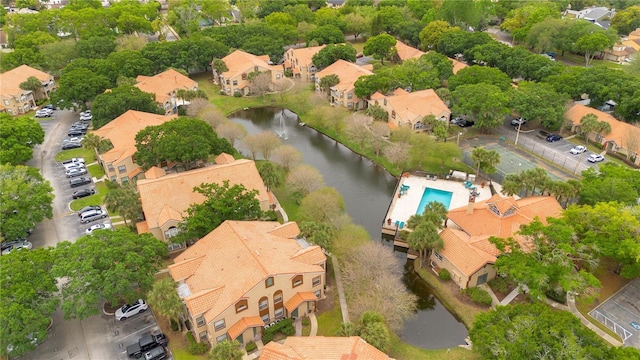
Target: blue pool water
429, 195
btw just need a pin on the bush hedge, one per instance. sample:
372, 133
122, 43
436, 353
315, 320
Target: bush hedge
478, 296
196, 348
557, 295
285, 327
444, 274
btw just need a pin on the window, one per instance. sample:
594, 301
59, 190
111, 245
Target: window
437, 255
349, 105
10, 111
263, 303
297, 281
279, 312
268, 282
174, 246
122, 169
255, 68
316, 281
244, 76
171, 232
265, 318
242, 305
318, 293
219, 325
384, 102
221, 338
124, 179
350, 96
235, 82
200, 321
277, 76
6, 102
167, 106
114, 178
277, 297
203, 336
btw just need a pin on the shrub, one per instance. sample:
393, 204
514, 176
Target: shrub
501, 284
478, 296
288, 329
251, 346
285, 327
196, 348
174, 325
557, 295
444, 274
237, 94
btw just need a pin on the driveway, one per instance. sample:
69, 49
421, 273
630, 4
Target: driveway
621, 313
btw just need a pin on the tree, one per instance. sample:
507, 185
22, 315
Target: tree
318, 233
530, 331
25, 200
588, 124
18, 136
79, 86
485, 160
426, 228
304, 179
287, 156
95, 47
431, 33
327, 34
56, 55
377, 113
183, 140
332, 53
356, 24
264, 142
357, 129
226, 350
539, 102
29, 290
218, 67
373, 263
324, 205
32, 84
549, 258
374, 331
271, 176
260, 82
520, 20
327, 82
626, 20
440, 130
486, 103
110, 265
164, 299
397, 154
611, 182
480, 74
380, 46
126, 202
110, 105
231, 131
593, 43
221, 203
381, 132
632, 141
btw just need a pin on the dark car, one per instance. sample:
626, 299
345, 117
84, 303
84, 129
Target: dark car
49, 106
146, 343
158, 353
76, 132
465, 123
83, 193
71, 145
79, 181
553, 137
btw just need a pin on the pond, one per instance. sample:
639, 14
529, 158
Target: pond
367, 190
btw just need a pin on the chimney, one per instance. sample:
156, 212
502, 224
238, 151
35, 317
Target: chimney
472, 202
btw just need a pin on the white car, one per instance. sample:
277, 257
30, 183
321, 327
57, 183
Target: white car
68, 167
86, 117
78, 139
128, 310
73, 161
91, 229
518, 121
43, 113
578, 150
594, 158
76, 172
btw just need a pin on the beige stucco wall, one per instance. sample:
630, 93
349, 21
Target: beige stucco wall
456, 275
111, 170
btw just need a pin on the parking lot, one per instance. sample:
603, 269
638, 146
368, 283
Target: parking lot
621, 313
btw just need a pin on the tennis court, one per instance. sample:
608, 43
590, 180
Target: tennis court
513, 163
621, 313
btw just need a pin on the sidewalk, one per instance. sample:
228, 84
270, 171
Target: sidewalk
571, 301
343, 298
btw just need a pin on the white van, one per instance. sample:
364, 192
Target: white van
92, 215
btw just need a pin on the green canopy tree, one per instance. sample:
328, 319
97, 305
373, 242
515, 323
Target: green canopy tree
327, 82
426, 229
626, 20
431, 33
125, 201
29, 292
25, 200
324, 205
332, 53
480, 74
164, 299
380, 46
270, 174
592, 44
226, 350
539, 102
486, 103
18, 136
110, 265
77, 87
611, 182
32, 84
318, 233
485, 160
110, 105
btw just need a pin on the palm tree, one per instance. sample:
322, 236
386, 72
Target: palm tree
485, 160
165, 300
125, 201
92, 142
588, 124
226, 350
425, 238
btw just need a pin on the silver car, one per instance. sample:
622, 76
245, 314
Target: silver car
76, 172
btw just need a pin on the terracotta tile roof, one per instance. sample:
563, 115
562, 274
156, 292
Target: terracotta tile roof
224, 158
237, 256
305, 55
457, 65
168, 213
322, 348
133, 173
287, 230
202, 301
10, 81
154, 172
461, 251
347, 72
634, 34
409, 106
406, 52
377, 96
164, 84
484, 222
186, 268
298, 299
309, 256
243, 324
176, 190
142, 227
239, 62
122, 131
367, 67
619, 129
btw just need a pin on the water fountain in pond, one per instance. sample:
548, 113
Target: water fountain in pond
282, 129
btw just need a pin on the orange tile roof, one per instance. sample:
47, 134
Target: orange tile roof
10, 81
619, 129
154, 172
237, 256
239, 62
142, 227
322, 348
347, 72
459, 249
457, 65
122, 131
297, 299
176, 190
164, 84
224, 158
243, 324
287, 230
635, 34
406, 52
409, 106
305, 55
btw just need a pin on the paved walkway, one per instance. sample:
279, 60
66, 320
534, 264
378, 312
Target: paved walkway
343, 298
314, 324
512, 295
571, 301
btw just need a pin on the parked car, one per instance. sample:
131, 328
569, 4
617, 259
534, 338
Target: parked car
76, 132
9, 246
465, 123
145, 343
88, 208
86, 112
81, 126
86, 117
79, 181
49, 106
78, 160
71, 145
92, 228
594, 158
73, 166
578, 150
77, 139
43, 113
519, 121
553, 137
83, 193
128, 310
92, 215
76, 172
159, 353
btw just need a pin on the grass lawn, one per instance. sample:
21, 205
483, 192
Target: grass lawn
95, 170
97, 199
578, 60
87, 154
403, 351
329, 321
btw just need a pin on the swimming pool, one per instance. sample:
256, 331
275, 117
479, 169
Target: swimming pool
429, 195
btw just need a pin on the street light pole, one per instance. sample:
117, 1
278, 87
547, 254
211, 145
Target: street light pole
518, 132
518, 169
458, 140
578, 164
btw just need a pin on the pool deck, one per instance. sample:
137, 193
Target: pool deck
402, 208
